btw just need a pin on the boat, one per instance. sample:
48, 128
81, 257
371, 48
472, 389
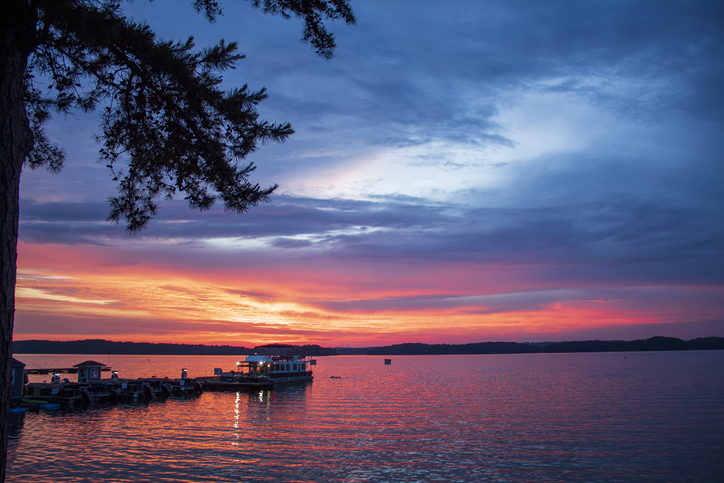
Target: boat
67, 393
183, 387
260, 372
103, 392
42, 391
135, 390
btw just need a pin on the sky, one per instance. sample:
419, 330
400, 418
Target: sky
461, 171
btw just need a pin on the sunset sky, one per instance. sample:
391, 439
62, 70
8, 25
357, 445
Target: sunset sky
462, 171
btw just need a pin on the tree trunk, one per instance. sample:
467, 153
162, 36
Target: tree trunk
16, 140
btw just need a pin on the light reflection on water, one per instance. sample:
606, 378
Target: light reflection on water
572, 417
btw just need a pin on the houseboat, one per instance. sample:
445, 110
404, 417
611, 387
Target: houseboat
260, 372
279, 369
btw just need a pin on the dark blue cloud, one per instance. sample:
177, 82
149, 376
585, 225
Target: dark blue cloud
630, 238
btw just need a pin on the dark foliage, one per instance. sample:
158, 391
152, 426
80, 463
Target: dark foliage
353, 351
313, 350
167, 126
652, 344
439, 349
707, 344
309, 350
100, 346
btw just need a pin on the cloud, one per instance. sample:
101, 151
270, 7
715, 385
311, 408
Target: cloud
483, 158
614, 233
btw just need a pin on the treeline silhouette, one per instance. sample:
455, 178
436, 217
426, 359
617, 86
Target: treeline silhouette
475, 348
652, 344
100, 346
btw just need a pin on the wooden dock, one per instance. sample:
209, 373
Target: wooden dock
112, 390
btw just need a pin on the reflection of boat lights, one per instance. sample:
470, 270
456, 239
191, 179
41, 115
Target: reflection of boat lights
237, 416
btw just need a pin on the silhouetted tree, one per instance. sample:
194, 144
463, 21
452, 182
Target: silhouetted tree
167, 126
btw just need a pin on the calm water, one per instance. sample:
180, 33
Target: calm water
568, 417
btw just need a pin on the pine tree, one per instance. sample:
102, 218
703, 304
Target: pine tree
167, 126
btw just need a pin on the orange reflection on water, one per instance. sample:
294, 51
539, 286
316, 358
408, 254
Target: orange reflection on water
455, 418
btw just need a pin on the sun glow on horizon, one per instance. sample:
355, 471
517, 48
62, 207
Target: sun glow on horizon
152, 303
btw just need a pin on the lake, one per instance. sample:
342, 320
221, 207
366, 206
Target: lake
637, 416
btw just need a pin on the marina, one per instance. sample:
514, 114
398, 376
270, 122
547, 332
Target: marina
255, 373
90, 390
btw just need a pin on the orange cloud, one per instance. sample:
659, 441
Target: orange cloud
69, 292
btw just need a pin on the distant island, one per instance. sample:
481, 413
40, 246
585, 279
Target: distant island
100, 346
652, 344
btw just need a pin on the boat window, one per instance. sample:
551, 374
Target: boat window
294, 367
287, 367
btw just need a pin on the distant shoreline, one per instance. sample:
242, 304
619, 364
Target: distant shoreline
105, 347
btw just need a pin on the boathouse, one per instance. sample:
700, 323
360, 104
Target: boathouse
17, 379
89, 371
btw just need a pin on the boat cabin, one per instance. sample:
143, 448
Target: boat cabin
89, 371
17, 379
274, 366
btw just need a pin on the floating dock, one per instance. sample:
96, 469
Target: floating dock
91, 389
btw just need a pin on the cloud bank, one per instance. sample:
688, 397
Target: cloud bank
510, 170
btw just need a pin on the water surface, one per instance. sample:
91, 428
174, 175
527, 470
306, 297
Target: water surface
534, 417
